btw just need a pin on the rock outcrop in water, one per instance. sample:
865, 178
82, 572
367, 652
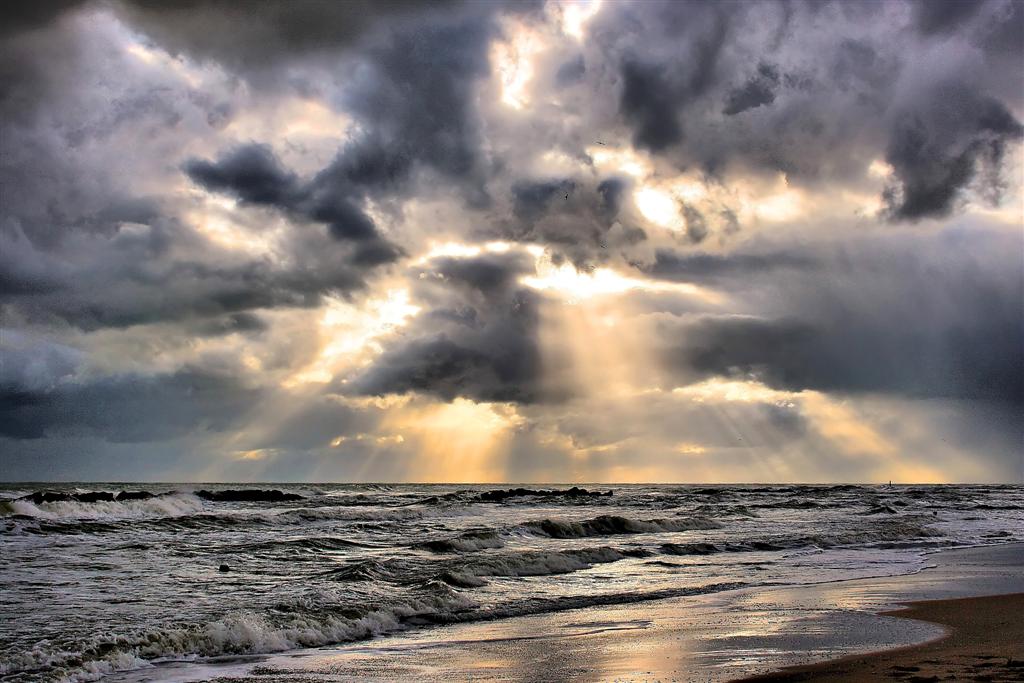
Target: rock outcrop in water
39, 497
501, 495
134, 495
224, 496
248, 496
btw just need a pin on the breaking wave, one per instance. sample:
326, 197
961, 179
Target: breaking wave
611, 525
293, 627
310, 567
542, 563
469, 541
882, 533
172, 505
236, 634
713, 548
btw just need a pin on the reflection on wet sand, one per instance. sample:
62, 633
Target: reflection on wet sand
716, 637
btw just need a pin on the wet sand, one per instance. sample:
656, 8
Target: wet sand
719, 637
984, 642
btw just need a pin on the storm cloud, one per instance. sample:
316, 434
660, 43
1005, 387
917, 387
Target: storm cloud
478, 340
700, 101
915, 317
126, 408
240, 238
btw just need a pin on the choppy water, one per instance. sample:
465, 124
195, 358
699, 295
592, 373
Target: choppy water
94, 583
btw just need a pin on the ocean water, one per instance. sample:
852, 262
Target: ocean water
96, 581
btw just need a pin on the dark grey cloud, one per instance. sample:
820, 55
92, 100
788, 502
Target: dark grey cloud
938, 148
655, 90
31, 365
258, 37
978, 359
571, 71
758, 91
479, 339
649, 103
244, 323
251, 173
99, 253
449, 370
708, 86
943, 16
857, 65
17, 17
696, 225
488, 274
412, 85
51, 184
611, 191
126, 408
998, 32
533, 199
87, 238
730, 220
132, 278
418, 93
414, 91
912, 317
579, 219
721, 270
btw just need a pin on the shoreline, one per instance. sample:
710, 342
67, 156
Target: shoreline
983, 641
717, 637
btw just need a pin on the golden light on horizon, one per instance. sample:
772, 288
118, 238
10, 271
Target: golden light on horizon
461, 441
831, 417
567, 337
841, 425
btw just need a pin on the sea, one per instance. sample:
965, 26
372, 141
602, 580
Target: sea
104, 578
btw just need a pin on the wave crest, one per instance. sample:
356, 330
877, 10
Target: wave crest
467, 542
611, 525
172, 505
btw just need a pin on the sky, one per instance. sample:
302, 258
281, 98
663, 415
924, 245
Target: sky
524, 241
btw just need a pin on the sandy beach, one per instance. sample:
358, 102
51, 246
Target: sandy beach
727, 636
984, 642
